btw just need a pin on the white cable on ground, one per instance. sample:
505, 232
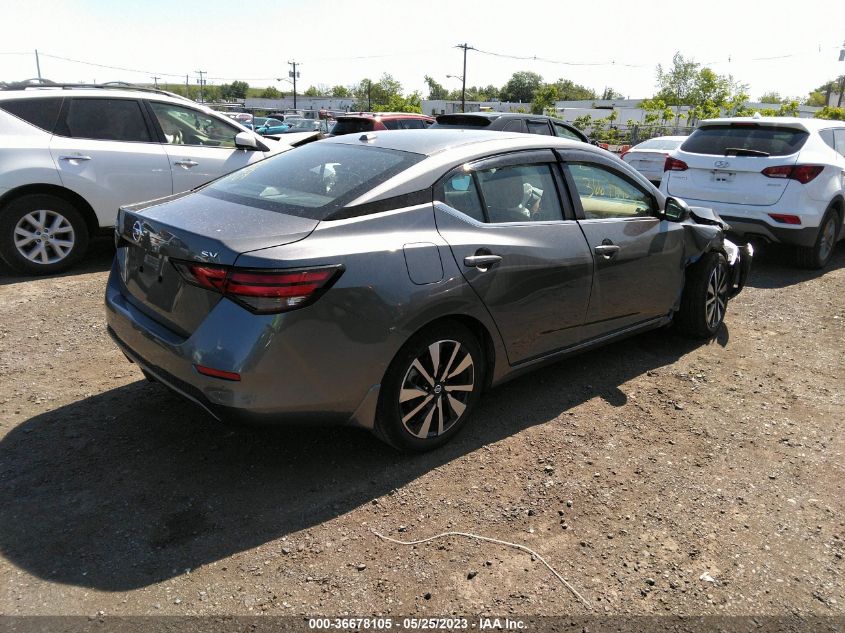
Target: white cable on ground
490, 540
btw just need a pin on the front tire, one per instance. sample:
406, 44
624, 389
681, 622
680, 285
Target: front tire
430, 388
705, 297
41, 234
818, 255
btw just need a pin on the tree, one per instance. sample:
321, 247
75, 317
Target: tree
271, 92
676, 83
610, 93
371, 95
230, 92
568, 90
819, 97
521, 87
312, 91
436, 90
771, 97
544, 99
830, 112
341, 92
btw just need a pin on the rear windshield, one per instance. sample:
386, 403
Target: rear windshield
313, 181
660, 144
745, 140
352, 126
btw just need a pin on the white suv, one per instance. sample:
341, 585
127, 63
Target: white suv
71, 155
777, 178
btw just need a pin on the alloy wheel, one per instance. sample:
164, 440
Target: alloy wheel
717, 297
827, 239
436, 389
44, 237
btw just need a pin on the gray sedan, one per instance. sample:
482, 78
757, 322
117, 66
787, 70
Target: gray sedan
385, 280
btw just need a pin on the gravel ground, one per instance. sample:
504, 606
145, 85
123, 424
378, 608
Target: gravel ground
656, 475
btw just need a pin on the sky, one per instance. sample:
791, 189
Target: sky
598, 44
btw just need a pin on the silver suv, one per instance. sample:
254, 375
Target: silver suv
71, 155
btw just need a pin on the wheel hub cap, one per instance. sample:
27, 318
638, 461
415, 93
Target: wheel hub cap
717, 297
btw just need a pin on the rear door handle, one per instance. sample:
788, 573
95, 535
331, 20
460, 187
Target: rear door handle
607, 251
187, 163
76, 157
482, 262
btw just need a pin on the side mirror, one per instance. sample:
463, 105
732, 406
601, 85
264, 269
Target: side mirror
676, 210
247, 141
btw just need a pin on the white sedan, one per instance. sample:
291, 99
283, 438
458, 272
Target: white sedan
649, 156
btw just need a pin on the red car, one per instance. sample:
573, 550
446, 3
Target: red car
370, 122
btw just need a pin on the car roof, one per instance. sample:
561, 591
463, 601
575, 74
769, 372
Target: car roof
435, 141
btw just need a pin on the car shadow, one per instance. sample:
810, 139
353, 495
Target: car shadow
133, 486
774, 267
98, 259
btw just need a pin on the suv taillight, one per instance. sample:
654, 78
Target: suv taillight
262, 291
673, 164
801, 173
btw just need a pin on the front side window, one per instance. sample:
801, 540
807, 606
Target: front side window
185, 126
520, 193
515, 125
105, 120
564, 132
314, 181
538, 127
41, 112
606, 195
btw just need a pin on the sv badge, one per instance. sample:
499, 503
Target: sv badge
209, 254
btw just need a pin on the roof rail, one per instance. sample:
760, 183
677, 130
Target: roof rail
111, 85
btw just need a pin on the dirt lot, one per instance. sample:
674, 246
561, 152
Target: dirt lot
656, 475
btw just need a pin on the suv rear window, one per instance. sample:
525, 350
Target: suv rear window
41, 112
352, 126
461, 120
314, 181
756, 140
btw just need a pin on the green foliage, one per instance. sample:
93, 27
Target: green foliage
340, 92
384, 96
544, 98
312, 91
521, 87
270, 93
436, 90
817, 99
831, 112
583, 122
771, 97
610, 93
229, 92
398, 103
568, 90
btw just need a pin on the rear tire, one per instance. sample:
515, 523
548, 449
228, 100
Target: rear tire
430, 388
705, 297
41, 234
817, 256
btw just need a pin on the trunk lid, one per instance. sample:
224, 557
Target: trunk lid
725, 162
191, 227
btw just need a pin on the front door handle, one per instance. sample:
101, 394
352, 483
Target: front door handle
482, 262
607, 251
187, 163
74, 157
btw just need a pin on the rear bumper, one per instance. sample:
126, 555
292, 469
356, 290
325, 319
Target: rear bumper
747, 228
274, 388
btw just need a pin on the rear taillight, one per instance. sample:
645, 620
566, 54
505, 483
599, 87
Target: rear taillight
801, 173
673, 164
262, 291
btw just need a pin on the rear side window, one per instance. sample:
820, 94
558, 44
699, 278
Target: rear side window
105, 120
352, 126
657, 143
839, 138
41, 112
514, 126
562, 131
520, 193
314, 181
745, 140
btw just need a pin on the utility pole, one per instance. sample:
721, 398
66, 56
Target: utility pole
201, 82
187, 86
37, 65
294, 75
466, 48
155, 81
841, 80
369, 92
